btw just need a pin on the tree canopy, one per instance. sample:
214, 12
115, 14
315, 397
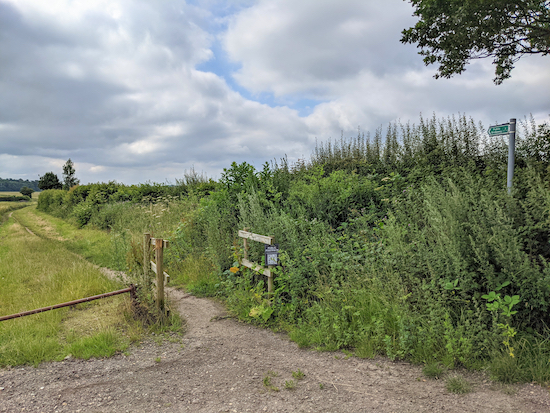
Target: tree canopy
69, 178
49, 181
451, 33
26, 191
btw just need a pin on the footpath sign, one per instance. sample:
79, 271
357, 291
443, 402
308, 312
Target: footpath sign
510, 130
495, 130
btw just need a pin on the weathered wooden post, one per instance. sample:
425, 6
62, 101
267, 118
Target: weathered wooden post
270, 282
245, 247
146, 259
159, 254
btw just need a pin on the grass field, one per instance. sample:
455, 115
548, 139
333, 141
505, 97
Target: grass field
37, 271
7, 207
34, 196
10, 206
92, 244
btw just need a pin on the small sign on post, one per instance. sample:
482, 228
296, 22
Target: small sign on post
499, 129
272, 255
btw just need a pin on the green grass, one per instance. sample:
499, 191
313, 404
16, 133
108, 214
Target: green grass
267, 381
290, 385
34, 195
196, 273
102, 344
94, 245
36, 272
98, 247
298, 374
531, 361
6, 207
458, 385
433, 370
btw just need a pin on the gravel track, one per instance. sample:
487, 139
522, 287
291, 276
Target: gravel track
220, 365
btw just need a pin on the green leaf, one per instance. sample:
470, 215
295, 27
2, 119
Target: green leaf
501, 286
267, 313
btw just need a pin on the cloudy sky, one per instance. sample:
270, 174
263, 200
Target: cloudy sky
144, 90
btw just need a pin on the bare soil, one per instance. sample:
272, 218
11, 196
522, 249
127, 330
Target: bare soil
221, 365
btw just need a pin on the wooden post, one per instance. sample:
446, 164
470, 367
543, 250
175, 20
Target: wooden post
159, 253
245, 250
146, 259
245, 243
270, 283
270, 279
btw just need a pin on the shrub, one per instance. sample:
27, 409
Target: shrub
83, 212
26, 191
13, 198
388, 246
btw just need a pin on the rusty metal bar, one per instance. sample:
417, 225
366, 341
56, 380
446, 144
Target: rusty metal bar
131, 289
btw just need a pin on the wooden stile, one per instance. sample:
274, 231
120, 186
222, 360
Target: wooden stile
154, 269
245, 235
165, 243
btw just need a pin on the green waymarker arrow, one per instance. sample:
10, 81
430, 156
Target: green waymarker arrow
499, 129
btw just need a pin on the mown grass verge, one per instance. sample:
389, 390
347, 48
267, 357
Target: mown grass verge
7, 207
92, 244
37, 271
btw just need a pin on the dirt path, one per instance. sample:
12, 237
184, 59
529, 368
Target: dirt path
220, 366
10, 215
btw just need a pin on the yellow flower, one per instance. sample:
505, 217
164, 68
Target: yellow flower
234, 269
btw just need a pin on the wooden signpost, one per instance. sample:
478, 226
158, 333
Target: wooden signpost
271, 256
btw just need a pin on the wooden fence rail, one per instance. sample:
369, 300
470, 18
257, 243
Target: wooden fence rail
267, 240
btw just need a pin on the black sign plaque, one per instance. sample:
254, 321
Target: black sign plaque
272, 254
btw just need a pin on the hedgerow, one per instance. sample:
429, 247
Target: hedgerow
405, 244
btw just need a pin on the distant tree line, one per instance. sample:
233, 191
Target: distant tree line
15, 185
47, 181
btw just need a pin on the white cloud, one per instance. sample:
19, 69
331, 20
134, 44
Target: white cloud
114, 85
349, 54
289, 47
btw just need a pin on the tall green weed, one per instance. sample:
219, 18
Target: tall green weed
390, 244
